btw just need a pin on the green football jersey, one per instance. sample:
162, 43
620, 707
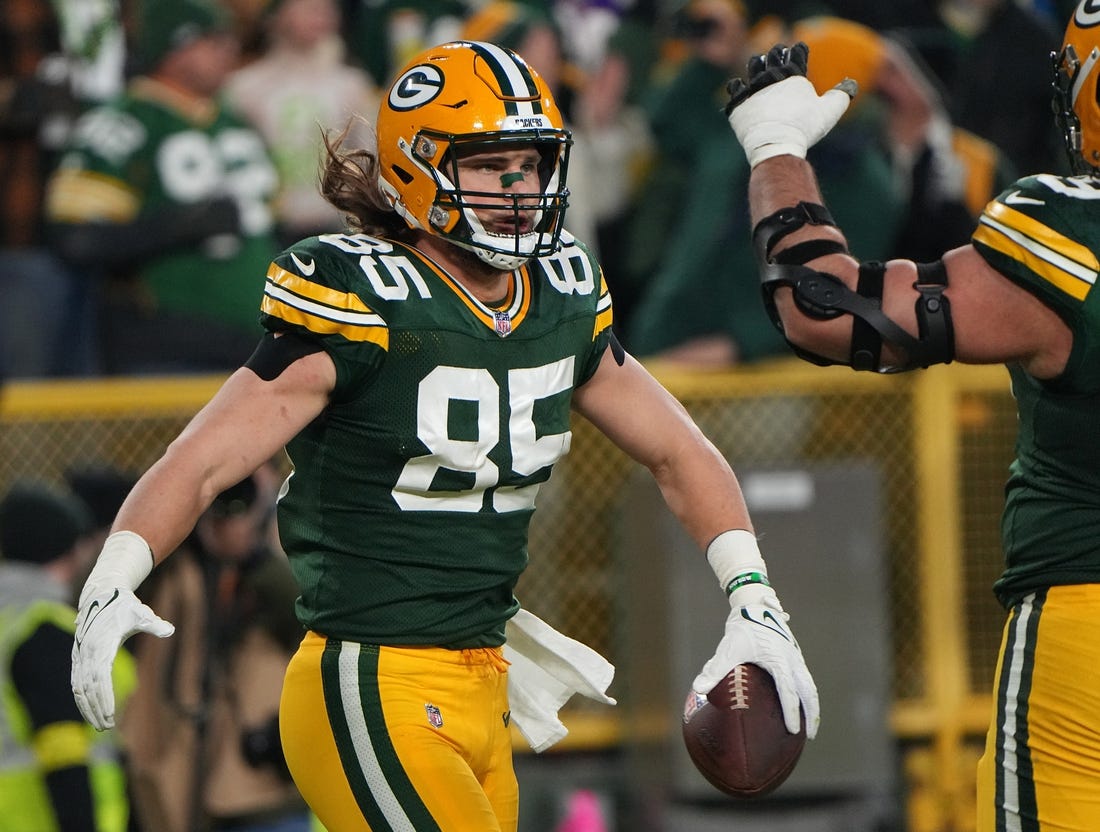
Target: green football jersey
406, 515
160, 150
1043, 234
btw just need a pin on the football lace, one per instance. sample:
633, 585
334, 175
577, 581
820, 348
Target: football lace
738, 688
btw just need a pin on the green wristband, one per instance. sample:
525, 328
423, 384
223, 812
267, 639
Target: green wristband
745, 579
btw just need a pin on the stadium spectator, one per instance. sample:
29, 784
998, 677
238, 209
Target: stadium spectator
55, 60
689, 252
533, 33
300, 85
56, 773
383, 34
165, 195
908, 181
992, 58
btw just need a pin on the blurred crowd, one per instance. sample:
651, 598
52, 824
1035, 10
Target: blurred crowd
156, 154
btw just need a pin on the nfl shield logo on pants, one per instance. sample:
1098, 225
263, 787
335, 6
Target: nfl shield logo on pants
434, 716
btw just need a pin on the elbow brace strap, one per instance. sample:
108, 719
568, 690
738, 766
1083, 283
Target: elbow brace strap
821, 295
788, 268
773, 228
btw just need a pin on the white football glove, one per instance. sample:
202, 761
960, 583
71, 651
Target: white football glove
777, 111
109, 613
757, 632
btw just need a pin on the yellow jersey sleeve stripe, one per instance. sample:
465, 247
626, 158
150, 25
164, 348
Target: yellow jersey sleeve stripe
85, 196
604, 313
307, 289
1060, 261
62, 745
342, 317
379, 335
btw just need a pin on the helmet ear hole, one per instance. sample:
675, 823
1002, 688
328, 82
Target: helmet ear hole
402, 174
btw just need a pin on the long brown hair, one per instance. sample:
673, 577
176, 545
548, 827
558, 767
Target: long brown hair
349, 181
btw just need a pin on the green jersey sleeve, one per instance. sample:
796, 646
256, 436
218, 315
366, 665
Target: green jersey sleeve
1042, 234
319, 288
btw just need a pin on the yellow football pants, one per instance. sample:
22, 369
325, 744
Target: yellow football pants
400, 739
1041, 768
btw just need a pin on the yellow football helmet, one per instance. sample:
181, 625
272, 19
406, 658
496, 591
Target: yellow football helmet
1076, 93
471, 94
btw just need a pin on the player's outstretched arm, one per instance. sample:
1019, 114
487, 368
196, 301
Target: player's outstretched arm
818, 290
244, 425
640, 416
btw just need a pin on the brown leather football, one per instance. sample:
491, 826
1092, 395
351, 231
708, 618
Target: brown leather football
736, 737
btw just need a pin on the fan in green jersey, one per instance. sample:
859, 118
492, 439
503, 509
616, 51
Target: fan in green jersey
421, 371
165, 195
1021, 292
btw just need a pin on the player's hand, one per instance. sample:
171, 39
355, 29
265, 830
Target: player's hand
104, 622
776, 110
217, 215
757, 633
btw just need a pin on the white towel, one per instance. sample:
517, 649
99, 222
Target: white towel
547, 668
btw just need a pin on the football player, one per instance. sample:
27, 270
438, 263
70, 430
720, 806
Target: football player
1022, 292
420, 373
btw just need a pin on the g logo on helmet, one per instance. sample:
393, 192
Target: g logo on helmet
416, 87
1087, 14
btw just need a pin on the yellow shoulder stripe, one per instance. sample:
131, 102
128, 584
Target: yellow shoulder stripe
604, 315
321, 309
1063, 262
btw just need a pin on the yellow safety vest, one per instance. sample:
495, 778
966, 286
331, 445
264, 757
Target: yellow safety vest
25, 804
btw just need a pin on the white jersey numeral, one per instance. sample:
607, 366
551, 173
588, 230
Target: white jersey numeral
445, 388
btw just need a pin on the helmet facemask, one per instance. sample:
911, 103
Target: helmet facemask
1075, 91
454, 217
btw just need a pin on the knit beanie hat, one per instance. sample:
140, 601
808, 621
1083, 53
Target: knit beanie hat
167, 25
38, 523
102, 488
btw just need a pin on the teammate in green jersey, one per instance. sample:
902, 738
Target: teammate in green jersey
1022, 292
421, 371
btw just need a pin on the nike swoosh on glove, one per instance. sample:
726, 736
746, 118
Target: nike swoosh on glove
757, 633
103, 623
776, 110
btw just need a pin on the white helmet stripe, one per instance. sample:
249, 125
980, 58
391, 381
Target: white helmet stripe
1086, 70
514, 79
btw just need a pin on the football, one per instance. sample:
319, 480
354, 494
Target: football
736, 737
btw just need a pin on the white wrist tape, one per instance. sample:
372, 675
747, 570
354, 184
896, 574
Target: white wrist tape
126, 561
736, 560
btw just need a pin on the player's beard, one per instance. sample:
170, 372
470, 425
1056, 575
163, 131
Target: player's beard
477, 268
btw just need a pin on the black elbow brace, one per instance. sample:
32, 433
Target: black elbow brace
822, 295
